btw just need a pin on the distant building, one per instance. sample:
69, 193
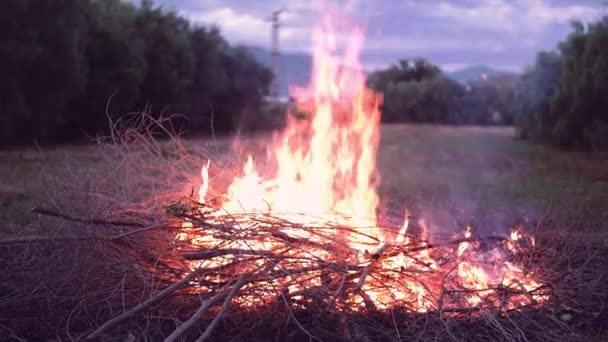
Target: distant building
277, 99
500, 81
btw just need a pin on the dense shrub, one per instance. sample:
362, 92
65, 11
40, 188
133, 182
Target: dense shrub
563, 98
417, 91
66, 64
533, 95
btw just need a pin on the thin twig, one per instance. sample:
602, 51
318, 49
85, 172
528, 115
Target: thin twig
377, 254
243, 279
212, 253
146, 304
310, 336
41, 239
47, 212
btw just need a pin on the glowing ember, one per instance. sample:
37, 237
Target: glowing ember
323, 193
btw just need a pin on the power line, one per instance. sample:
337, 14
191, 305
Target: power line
276, 25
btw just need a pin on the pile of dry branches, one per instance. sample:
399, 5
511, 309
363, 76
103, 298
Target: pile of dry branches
142, 283
329, 272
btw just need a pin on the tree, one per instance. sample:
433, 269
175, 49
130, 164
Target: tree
116, 67
562, 99
533, 95
404, 70
578, 111
431, 100
169, 57
209, 81
42, 61
417, 91
249, 83
63, 60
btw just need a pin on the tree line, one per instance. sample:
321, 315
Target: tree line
415, 90
68, 64
563, 98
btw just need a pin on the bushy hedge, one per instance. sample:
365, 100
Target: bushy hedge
417, 91
64, 63
563, 98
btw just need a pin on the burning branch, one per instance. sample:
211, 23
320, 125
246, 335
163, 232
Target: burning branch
374, 258
316, 272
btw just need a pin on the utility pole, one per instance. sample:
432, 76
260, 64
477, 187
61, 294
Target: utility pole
275, 20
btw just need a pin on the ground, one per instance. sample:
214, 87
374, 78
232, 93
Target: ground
490, 179
451, 176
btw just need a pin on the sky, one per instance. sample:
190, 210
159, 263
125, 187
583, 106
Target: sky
503, 34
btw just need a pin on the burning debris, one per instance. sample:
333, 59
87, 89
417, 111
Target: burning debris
313, 228
306, 235
315, 265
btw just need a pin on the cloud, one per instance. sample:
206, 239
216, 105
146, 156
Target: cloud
249, 29
448, 32
514, 15
487, 13
238, 27
425, 44
541, 12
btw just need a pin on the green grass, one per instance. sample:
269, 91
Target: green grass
487, 177
27, 175
450, 175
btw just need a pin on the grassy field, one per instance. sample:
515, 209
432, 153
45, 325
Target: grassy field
450, 175
27, 176
488, 178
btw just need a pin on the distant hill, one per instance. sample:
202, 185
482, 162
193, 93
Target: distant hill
294, 68
479, 73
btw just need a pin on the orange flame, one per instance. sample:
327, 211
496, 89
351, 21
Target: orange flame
326, 174
326, 166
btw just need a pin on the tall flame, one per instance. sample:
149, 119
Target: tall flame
326, 176
326, 163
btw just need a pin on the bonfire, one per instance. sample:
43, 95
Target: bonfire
295, 234
304, 232
309, 233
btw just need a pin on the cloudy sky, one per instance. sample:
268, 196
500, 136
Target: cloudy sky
504, 34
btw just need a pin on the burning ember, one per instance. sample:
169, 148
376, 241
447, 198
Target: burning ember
308, 233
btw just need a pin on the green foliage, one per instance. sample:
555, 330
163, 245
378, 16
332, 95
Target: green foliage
562, 99
417, 91
404, 70
42, 62
169, 58
66, 64
116, 68
533, 94
579, 108
486, 103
